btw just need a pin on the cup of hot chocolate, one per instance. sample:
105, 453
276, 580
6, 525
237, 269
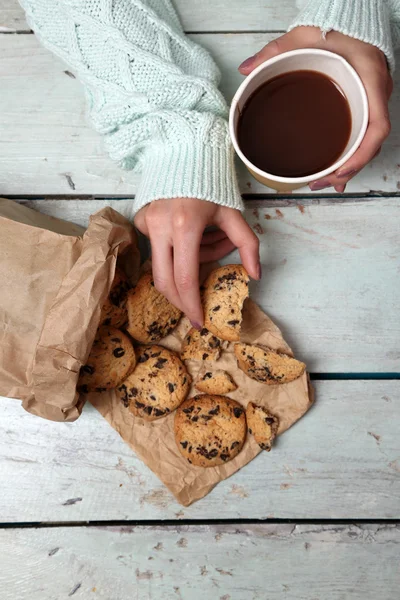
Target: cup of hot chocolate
298, 117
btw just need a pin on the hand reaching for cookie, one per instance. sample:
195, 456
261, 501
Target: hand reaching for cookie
176, 231
371, 65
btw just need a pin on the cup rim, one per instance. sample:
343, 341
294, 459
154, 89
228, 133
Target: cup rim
339, 162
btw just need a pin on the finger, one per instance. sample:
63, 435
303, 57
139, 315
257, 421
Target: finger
140, 221
186, 270
244, 238
378, 130
163, 270
210, 237
285, 43
212, 252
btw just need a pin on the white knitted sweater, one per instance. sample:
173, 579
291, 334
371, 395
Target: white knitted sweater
153, 93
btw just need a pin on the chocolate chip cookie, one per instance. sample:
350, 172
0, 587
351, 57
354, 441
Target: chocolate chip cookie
157, 386
225, 290
110, 361
267, 366
262, 425
114, 312
210, 430
200, 345
215, 382
150, 315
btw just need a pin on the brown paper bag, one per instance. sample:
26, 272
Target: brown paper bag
54, 277
155, 443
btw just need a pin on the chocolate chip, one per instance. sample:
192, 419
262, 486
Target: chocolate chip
269, 420
235, 445
153, 398
133, 392
156, 354
213, 453
143, 357
160, 363
188, 410
159, 412
237, 412
155, 331
173, 321
224, 457
233, 323
207, 376
119, 352
204, 331
214, 411
250, 431
184, 445
214, 342
148, 410
216, 308
195, 419
87, 369
205, 417
227, 277
171, 387
116, 297
190, 449
205, 355
139, 404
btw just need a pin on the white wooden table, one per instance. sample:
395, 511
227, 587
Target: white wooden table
318, 518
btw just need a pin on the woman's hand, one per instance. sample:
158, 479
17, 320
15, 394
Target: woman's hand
179, 244
370, 63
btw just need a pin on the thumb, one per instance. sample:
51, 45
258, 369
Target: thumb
282, 44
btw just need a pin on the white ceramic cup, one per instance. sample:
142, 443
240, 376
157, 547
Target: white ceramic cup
333, 66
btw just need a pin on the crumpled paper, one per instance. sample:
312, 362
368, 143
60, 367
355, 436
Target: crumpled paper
155, 443
54, 277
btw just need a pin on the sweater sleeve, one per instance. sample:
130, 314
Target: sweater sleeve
152, 93
376, 22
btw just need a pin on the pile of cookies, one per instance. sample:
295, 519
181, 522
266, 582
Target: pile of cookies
152, 381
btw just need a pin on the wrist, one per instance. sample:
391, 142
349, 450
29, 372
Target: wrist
365, 20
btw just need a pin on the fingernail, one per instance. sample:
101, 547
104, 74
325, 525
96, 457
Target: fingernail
247, 63
320, 185
196, 326
259, 271
343, 174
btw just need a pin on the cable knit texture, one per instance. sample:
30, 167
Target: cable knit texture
152, 93
376, 22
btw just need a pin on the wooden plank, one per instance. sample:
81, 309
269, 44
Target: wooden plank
48, 147
208, 15
330, 276
340, 461
225, 562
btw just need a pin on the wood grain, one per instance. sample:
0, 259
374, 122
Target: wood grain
330, 279
342, 460
208, 15
224, 562
47, 145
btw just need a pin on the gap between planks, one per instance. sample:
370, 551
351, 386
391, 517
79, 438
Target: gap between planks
195, 523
